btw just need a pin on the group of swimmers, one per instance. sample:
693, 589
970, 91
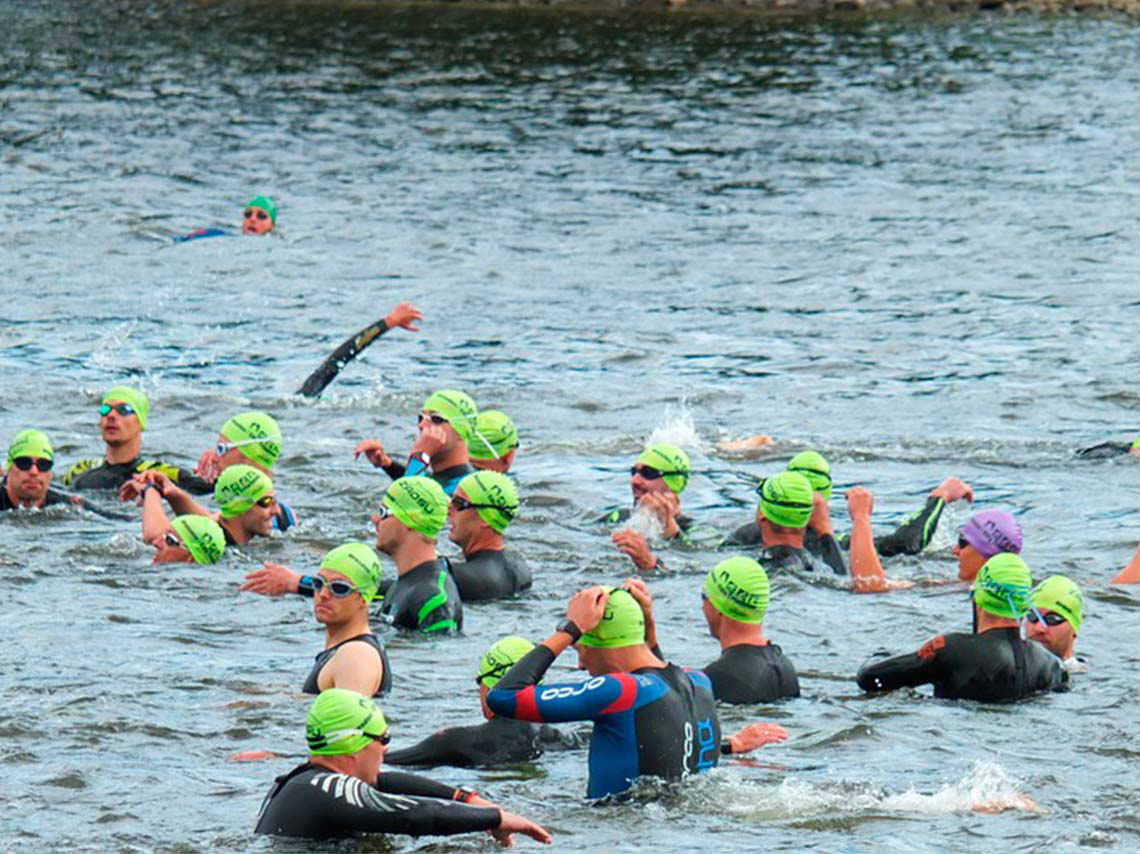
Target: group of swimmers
650, 717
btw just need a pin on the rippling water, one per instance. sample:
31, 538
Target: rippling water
911, 244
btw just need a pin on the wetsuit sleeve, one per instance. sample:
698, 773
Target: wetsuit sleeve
77, 469
395, 470
403, 783
341, 356
914, 534
916, 668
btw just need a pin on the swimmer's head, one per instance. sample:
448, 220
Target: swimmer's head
239, 487
359, 564
666, 461
341, 722
494, 437
30, 443
786, 499
815, 468
502, 655
991, 532
493, 495
459, 410
1062, 595
259, 216
132, 396
201, 536
738, 588
622, 623
256, 437
419, 503
1002, 586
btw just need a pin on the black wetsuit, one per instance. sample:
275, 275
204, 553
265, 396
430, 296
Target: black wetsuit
499, 741
100, 474
995, 666
52, 497
311, 686
1105, 450
653, 721
425, 599
777, 558
490, 574
448, 478
313, 802
752, 674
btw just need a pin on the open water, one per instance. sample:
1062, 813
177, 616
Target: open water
909, 243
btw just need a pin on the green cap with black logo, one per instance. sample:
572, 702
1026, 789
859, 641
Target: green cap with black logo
622, 623
671, 461
359, 564
31, 443
815, 468
419, 503
786, 499
239, 487
501, 657
256, 435
202, 537
341, 721
459, 410
496, 495
738, 588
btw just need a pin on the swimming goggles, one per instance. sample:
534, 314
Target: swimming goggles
26, 463
650, 473
460, 503
250, 213
121, 408
225, 447
434, 418
338, 588
1050, 619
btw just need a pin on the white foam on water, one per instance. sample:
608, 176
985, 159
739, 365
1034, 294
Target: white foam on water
678, 429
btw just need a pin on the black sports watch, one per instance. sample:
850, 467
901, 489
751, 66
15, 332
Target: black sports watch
571, 628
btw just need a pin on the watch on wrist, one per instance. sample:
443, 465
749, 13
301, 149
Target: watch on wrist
464, 794
571, 628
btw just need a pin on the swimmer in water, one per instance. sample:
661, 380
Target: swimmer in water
496, 450
1055, 620
484, 504
28, 480
985, 534
258, 217
183, 539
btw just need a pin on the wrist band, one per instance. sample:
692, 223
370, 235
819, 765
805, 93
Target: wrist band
726, 747
464, 794
305, 586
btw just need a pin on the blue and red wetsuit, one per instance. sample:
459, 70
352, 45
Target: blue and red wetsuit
658, 721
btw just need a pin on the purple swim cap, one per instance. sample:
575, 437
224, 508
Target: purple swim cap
993, 531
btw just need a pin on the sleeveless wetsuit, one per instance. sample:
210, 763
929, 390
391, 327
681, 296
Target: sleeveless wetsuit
499, 741
752, 674
52, 497
995, 666
311, 686
424, 599
490, 574
777, 558
100, 474
653, 721
316, 803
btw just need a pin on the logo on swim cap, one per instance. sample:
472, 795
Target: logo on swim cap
738, 588
992, 532
359, 564
495, 436
496, 492
1061, 594
338, 721
671, 461
458, 409
202, 537
132, 396
419, 503
1002, 586
30, 443
622, 623
502, 655
266, 204
815, 468
238, 488
245, 428
786, 499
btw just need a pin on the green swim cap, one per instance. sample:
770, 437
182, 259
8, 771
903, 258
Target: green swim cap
243, 429
815, 468
1135, 444
501, 657
419, 503
239, 487
1002, 586
494, 432
623, 623
132, 396
1061, 594
338, 721
266, 204
786, 499
202, 537
30, 443
360, 564
671, 461
739, 589
493, 489
458, 409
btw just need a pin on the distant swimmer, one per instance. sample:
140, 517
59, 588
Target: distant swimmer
498, 740
424, 597
499, 444
347, 581
985, 534
1110, 449
643, 708
27, 482
341, 790
1131, 573
995, 664
484, 504
403, 315
1055, 619
786, 505
446, 426
734, 600
259, 217
122, 420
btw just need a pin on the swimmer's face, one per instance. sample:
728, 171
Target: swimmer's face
258, 519
331, 610
1058, 639
640, 485
168, 552
117, 429
388, 531
970, 560
436, 421
256, 221
463, 524
31, 485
